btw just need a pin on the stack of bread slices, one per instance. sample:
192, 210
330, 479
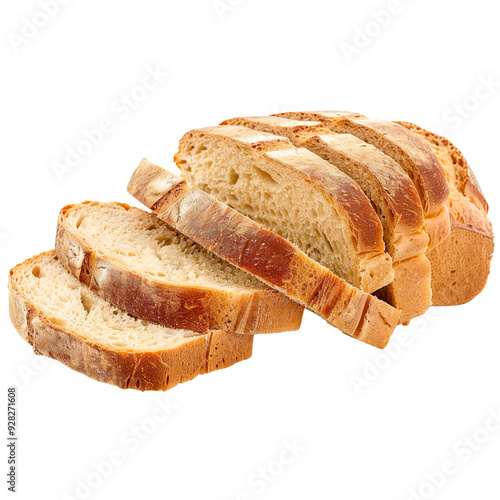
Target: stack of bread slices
364, 222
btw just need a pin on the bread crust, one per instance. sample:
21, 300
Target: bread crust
269, 257
374, 266
415, 156
297, 131
396, 188
391, 191
461, 263
144, 371
181, 306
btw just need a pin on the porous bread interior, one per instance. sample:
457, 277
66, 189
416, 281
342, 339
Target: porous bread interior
144, 244
280, 203
64, 302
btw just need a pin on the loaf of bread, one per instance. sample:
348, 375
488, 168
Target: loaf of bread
364, 222
262, 253
293, 193
138, 263
63, 319
461, 263
391, 192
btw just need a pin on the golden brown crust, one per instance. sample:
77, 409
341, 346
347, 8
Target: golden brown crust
294, 130
396, 188
391, 191
226, 349
272, 259
145, 371
459, 174
373, 265
461, 263
181, 306
414, 156
393, 139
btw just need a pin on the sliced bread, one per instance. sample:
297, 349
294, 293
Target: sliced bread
391, 192
64, 320
138, 263
414, 155
262, 253
461, 263
293, 193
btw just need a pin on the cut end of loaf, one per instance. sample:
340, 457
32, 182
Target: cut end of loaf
461, 262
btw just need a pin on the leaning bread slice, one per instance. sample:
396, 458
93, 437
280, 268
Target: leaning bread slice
64, 320
138, 263
262, 253
461, 263
391, 192
415, 157
293, 193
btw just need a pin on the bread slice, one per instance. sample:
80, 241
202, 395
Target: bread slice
64, 320
391, 192
138, 263
461, 263
266, 255
293, 193
415, 157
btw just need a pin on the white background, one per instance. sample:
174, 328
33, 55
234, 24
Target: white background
251, 57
